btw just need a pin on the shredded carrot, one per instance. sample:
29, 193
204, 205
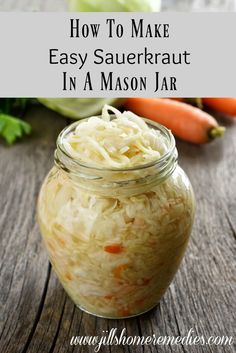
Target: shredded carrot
109, 296
118, 271
139, 302
61, 241
124, 312
68, 276
114, 248
146, 281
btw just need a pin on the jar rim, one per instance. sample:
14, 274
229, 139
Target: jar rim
159, 161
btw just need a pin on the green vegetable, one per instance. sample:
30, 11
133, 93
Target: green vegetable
78, 108
12, 127
114, 5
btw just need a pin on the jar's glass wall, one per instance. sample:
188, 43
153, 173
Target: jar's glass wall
115, 256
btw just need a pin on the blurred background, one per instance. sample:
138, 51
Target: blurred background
167, 5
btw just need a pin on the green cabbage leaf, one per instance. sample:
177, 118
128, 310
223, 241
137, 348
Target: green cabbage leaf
79, 108
114, 5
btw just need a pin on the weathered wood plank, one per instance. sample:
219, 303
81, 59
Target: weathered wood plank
24, 271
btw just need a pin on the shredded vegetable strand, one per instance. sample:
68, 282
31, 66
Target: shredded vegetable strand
120, 141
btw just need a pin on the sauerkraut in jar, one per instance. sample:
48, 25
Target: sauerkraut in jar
116, 213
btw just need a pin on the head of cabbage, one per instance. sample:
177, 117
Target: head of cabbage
114, 5
79, 108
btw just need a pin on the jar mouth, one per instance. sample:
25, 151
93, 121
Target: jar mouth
156, 162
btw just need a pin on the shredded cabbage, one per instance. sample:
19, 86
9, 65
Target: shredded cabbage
115, 255
114, 5
121, 142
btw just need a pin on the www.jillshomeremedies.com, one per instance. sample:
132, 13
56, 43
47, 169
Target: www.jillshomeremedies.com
113, 338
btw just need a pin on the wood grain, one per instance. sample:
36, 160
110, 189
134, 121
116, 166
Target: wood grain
36, 316
24, 271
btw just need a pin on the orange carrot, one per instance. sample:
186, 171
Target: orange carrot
113, 248
186, 122
223, 105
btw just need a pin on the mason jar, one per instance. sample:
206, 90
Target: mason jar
116, 237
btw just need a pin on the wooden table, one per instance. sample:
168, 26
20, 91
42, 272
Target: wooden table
36, 316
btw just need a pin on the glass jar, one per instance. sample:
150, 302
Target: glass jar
116, 237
